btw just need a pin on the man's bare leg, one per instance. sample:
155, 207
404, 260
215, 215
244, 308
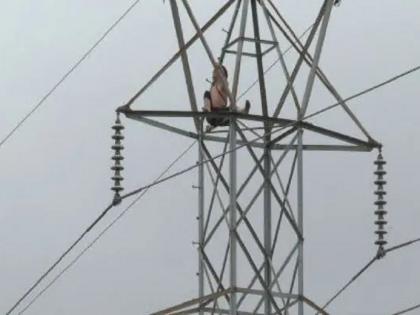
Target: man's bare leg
207, 102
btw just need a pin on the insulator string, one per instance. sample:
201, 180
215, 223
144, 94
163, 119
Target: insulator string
380, 203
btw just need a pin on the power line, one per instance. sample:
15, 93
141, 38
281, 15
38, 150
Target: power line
353, 279
93, 242
402, 245
67, 74
48, 271
365, 268
371, 89
407, 310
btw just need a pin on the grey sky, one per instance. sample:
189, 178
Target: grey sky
56, 177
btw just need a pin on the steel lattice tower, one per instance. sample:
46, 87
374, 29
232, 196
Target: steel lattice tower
261, 268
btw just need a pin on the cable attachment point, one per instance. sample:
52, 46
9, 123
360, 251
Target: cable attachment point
117, 158
380, 204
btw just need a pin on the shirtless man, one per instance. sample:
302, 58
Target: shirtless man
216, 100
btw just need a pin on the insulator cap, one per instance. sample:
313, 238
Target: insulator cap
381, 232
118, 137
381, 242
117, 157
381, 212
117, 178
117, 188
118, 127
380, 172
380, 202
117, 147
380, 182
380, 192
117, 168
379, 162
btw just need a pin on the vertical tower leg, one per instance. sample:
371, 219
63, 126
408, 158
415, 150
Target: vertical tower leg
233, 216
300, 218
200, 216
232, 166
267, 227
267, 161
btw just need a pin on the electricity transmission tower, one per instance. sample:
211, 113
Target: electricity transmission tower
258, 215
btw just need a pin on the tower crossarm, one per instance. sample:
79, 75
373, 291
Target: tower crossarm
143, 115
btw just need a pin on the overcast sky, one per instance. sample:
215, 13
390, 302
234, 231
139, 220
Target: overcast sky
55, 169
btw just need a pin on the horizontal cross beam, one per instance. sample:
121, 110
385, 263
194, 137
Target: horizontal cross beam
358, 144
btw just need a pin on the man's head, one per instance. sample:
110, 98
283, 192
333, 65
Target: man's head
220, 70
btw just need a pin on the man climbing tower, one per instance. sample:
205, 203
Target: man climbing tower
216, 100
